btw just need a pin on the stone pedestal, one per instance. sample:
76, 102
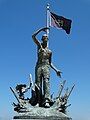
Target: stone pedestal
42, 114
43, 118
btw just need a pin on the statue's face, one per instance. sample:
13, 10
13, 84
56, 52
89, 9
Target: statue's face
44, 38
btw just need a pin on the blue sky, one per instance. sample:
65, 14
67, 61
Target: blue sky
71, 53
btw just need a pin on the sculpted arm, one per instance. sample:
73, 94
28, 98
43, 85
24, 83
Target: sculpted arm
34, 35
30, 84
58, 72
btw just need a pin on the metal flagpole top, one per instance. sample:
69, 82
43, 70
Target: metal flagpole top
48, 5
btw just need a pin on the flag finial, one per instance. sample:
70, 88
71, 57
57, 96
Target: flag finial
48, 5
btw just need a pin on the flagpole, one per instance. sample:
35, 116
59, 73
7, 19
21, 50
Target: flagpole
48, 19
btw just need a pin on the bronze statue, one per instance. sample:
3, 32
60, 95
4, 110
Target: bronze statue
41, 102
42, 69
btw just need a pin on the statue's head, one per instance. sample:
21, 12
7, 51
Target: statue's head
45, 38
21, 86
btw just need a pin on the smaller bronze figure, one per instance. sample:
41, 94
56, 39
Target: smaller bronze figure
21, 89
42, 69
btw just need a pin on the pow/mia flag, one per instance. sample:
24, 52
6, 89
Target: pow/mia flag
60, 22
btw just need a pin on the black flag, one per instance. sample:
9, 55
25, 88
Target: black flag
60, 22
